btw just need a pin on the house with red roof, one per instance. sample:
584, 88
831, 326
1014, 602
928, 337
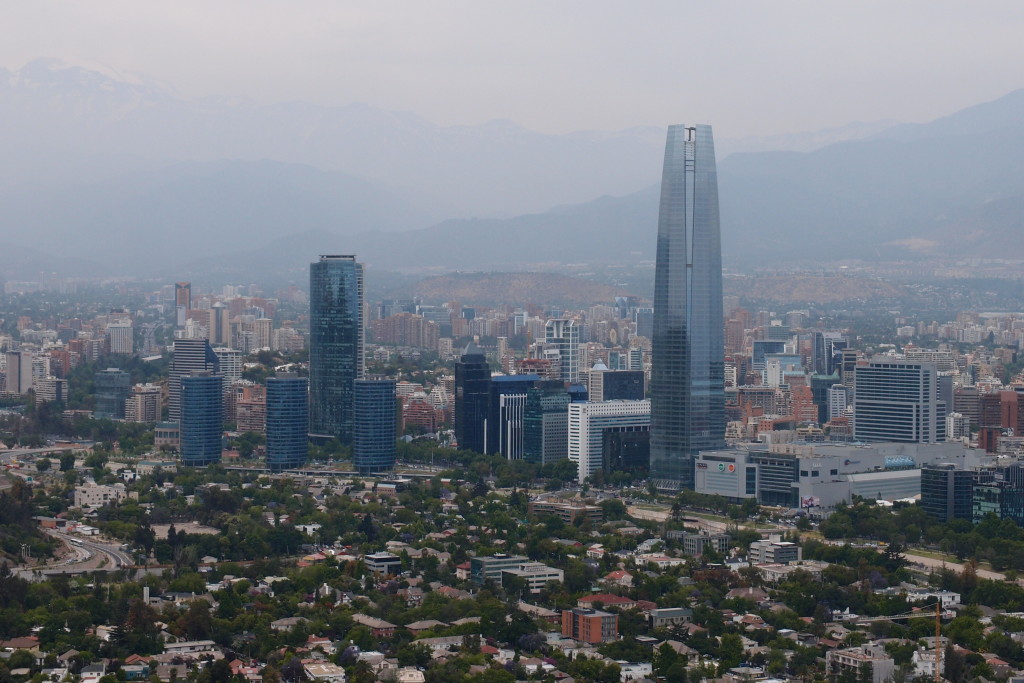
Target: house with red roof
606, 600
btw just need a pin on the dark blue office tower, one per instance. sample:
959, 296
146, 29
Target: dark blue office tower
505, 412
201, 419
472, 392
287, 421
375, 414
687, 387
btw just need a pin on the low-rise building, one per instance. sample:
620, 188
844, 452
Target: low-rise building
567, 512
410, 674
378, 627
697, 544
667, 617
483, 569
854, 659
635, 671
96, 495
538, 612
383, 563
189, 647
167, 434
773, 551
777, 573
590, 625
606, 600
660, 561
535, 575
324, 671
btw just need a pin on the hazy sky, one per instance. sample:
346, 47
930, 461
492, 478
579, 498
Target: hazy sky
750, 68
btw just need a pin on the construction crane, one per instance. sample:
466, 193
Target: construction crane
919, 615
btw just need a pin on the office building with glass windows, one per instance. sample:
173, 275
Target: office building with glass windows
375, 414
187, 357
590, 423
201, 419
287, 410
335, 345
472, 395
112, 389
546, 423
687, 385
564, 335
897, 400
505, 411
947, 491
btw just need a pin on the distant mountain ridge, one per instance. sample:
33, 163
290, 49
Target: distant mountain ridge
102, 169
48, 109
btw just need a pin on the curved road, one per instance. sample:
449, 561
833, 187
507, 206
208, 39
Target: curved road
97, 557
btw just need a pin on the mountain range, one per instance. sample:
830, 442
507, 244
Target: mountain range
107, 174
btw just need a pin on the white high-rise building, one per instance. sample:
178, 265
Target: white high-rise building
40, 367
564, 334
588, 423
230, 364
121, 336
838, 400
263, 328
898, 400
958, 427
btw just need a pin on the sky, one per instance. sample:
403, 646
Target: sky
750, 68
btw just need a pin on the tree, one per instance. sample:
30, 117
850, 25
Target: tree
665, 658
43, 464
67, 462
730, 652
411, 654
954, 665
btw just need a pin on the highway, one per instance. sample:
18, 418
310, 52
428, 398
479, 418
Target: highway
90, 556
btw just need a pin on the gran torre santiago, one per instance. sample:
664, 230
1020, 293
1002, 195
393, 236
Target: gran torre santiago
687, 387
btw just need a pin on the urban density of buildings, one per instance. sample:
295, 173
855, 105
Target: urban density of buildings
532, 488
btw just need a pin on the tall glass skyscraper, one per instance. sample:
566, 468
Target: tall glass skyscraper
335, 344
687, 388
287, 421
373, 449
472, 394
201, 418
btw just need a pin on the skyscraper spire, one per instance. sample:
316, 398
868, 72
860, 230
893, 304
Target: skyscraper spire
687, 368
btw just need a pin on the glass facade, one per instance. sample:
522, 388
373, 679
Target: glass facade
373, 445
947, 493
335, 344
687, 388
627, 385
546, 423
565, 334
472, 393
112, 389
507, 404
820, 385
287, 421
201, 419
